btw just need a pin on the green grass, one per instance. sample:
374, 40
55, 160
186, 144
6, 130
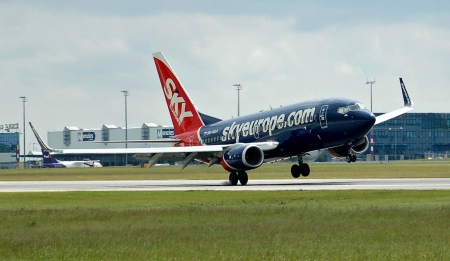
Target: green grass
267, 171
226, 225
216, 225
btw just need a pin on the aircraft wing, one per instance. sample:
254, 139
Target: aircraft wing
166, 141
213, 153
88, 163
407, 106
77, 164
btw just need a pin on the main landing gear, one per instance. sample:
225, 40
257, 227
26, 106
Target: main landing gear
351, 157
240, 176
300, 169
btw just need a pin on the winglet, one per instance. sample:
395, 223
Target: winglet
407, 100
43, 145
407, 106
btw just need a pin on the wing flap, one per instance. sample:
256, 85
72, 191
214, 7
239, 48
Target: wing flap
185, 154
167, 141
166, 150
149, 151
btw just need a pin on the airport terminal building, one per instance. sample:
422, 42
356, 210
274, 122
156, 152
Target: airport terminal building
9, 142
413, 136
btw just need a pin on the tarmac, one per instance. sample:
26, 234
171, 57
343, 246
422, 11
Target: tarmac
257, 184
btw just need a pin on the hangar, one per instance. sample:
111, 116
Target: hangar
76, 138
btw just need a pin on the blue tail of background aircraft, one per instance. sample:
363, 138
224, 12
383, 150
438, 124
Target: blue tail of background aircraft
48, 159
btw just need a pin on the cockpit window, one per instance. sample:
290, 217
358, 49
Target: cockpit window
355, 107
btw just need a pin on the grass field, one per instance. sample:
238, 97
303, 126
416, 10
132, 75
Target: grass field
227, 225
215, 225
267, 171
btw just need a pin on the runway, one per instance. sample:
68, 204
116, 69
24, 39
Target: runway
185, 185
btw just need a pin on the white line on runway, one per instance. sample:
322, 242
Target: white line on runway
185, 185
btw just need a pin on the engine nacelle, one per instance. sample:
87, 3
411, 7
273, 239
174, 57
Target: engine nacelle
242, 157
359, 147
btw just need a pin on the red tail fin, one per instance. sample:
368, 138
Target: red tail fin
185, 116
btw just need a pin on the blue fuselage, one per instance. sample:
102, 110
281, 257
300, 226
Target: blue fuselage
298, 128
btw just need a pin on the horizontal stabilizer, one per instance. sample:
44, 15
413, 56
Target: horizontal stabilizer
207, 119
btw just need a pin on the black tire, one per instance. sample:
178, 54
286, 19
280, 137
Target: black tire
305, 170
348, 158
243, 177
295, 171
353, 158
233, 178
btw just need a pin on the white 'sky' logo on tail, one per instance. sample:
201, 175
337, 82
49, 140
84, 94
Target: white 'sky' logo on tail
177, 104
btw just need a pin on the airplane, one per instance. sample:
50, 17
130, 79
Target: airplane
339, 125
50, 162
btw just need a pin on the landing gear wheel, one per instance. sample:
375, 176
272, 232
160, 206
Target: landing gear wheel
348, 158
243, 177
233, 178
304, 170
353, 158
295, 171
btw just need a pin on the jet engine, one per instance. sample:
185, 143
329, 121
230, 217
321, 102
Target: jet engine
242, 157
358, 147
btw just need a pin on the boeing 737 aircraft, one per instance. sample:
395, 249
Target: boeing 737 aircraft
339, 125
50, 162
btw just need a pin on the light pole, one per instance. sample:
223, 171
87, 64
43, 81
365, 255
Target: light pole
371, 130
238, 88
125, 94
24, 99
395, 140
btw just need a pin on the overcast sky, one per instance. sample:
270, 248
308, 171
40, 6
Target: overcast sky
71, 59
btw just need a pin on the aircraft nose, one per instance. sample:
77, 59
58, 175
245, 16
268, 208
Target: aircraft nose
365, 120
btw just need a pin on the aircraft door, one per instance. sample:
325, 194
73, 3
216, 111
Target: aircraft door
323, 117
256, 131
